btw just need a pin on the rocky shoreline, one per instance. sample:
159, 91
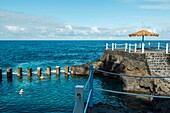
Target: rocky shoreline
133, 64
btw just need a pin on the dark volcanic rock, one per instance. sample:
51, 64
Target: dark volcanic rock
132, 64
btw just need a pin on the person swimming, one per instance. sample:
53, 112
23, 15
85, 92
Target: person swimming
21, 91
42, 77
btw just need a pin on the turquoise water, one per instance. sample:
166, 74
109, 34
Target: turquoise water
55, 93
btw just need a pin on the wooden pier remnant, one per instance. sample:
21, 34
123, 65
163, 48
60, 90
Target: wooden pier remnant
49, 70
66, 70
39, 71
0, 74
73, 70
29, 71
57, 70
9, 74
19, 72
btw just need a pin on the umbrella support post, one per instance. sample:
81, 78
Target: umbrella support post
129, 48
143, 47
135, 47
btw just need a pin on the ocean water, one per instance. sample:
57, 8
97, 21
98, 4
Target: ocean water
55, 93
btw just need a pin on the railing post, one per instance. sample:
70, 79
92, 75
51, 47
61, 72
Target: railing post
112, 46
143, 46
126, 46
129, 48
158, 45
135, 47
149, 43
79, 103
115, 45
91, 85
107, 46
167, 48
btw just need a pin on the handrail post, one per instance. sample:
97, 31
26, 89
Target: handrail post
126, 46
149, 44
115, 46
79, 103
135, 47
167, 48
143, 47
107, 46
158, 45
129, 48
91, 85
112, 46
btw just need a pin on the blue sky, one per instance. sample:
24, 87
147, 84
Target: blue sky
92, 18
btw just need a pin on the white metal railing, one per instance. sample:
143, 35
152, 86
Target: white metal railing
79, 94
129, 47
79, 90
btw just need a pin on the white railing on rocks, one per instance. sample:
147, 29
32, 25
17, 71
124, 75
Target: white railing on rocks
129, 47
79, 90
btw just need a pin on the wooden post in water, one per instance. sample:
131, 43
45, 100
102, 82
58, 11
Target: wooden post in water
9, 74
57, 70
29, 71
73, 70
19, 72
0, 74
39, 71
66, 69
49, 70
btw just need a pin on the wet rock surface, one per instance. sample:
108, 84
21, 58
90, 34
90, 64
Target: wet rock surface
104, 108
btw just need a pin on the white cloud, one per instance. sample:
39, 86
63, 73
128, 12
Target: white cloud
11, 28
94, 29
15, 28
69, 27
29, 27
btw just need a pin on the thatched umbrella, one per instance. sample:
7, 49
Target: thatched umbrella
143, 33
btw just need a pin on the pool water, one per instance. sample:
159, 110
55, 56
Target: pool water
51, 94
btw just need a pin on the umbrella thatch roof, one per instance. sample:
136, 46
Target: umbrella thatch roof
143, 33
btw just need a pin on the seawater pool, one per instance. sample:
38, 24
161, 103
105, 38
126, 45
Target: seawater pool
51, 94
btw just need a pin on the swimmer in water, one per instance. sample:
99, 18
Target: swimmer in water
42, 77
21, 91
